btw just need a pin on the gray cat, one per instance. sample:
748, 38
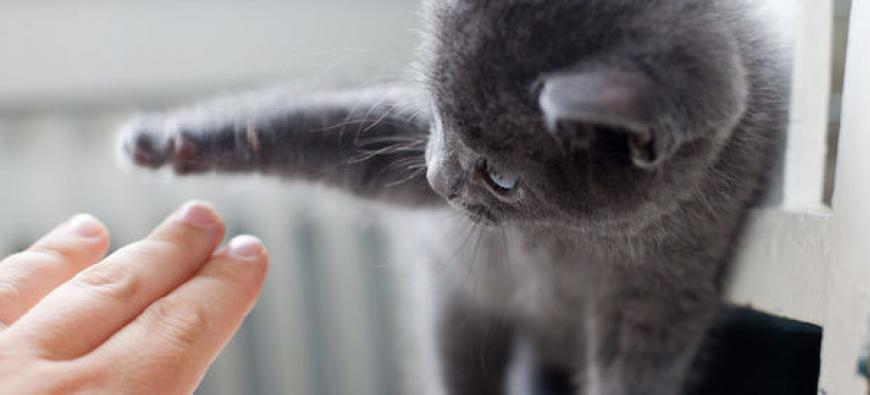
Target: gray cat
607, 149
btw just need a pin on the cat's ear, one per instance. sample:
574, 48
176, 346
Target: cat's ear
577, 105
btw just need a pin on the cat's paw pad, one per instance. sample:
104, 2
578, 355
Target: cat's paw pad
152, 143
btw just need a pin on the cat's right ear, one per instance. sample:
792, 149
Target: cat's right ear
577, 105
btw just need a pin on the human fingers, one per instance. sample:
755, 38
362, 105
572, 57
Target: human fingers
26, 277
81, 314
171, 344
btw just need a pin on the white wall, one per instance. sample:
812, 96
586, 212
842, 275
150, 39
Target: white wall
101, 51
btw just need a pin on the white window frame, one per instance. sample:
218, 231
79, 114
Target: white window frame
803, 260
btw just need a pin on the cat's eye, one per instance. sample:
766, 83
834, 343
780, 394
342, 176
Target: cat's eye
502, 181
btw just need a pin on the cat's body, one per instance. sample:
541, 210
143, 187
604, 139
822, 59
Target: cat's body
606, 150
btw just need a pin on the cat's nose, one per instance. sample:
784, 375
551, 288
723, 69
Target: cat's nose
456, 188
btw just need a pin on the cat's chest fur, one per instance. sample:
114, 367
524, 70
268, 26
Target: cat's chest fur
528, 276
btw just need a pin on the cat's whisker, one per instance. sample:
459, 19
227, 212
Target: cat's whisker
364, 128
478, 265
411, 166
391, 169
414, 175
505, 250
467, 229
362, 142
397, 148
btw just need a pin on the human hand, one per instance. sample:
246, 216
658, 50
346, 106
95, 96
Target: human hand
148, 319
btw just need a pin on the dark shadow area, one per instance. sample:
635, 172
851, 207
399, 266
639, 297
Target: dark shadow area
748, 353
745, 353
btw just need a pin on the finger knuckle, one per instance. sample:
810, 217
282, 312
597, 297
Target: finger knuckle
160, 245
172, 244
10, 296
167, 248
112, 281
181, 322
229, 276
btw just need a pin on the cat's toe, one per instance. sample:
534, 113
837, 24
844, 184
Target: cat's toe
185, 154
145, 144
147, 151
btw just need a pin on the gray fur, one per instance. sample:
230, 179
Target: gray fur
641, 133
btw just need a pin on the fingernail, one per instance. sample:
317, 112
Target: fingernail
84, 225
246, 247
198, 214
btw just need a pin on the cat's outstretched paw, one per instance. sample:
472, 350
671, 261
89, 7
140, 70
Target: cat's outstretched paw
154, 143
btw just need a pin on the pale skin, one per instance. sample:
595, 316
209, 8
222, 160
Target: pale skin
148, 319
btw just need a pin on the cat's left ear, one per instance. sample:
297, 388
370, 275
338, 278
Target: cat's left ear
576, 105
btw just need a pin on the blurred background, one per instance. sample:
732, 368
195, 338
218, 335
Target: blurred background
343, 303
330, 320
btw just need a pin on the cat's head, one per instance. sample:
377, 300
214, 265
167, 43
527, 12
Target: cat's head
586, 112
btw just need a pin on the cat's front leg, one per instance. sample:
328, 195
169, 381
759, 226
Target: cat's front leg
370, 143
644, 331
474, 350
